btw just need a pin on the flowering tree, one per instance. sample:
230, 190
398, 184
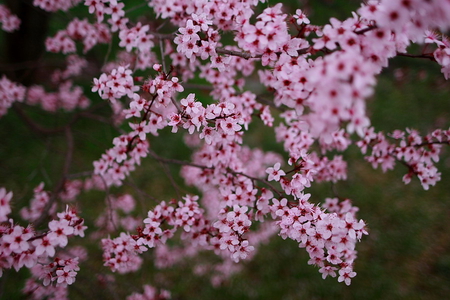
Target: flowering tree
263, 68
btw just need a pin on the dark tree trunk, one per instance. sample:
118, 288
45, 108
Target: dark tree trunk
25, 46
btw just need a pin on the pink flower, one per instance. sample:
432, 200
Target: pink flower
301, 17
45, 245
274, 172
65, 277
5, 208
346, 275
59, 230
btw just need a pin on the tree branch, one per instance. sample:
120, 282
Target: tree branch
185, 163
427, 55
60, 186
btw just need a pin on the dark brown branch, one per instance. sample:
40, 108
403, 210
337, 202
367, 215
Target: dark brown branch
269, 103
176, 161
427, 55
364, 30
257, 179
431, 143
245, 55
33, 125
198, 86
43, 130
23, 65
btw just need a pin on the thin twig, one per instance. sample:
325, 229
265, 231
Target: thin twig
163, 61
185, 163
43, 130
60, 186
245, 55
109, 203
171, 179
364, 30
108, 52
176, 161
257, 179
136, 7
80, 174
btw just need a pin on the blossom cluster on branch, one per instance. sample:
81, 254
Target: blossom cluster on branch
317, 80
24, 247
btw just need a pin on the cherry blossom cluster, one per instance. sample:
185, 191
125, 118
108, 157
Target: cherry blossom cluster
78, 30
122, 253
5, 206
119, 161
60, 270
41, 198
75, 66
71, 190
24, 247
268, 36
129, 148
418, 153
191, 45
162, 88
113, 8
151, 293
442, 53
132, 37
411, 18
9, 21
55, 5
118, 215
315, 79
116, 84
68, 97
232, 225
137, 37
50, 280
10, 92
227, 236
38, 204
225, 15
167, 256
329, 237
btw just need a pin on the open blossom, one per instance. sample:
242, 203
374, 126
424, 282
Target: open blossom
275, 173
59, 230
346, 275
301, 17
45, 245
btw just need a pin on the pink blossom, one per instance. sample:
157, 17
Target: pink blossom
274, 172
5, 208
46, 244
